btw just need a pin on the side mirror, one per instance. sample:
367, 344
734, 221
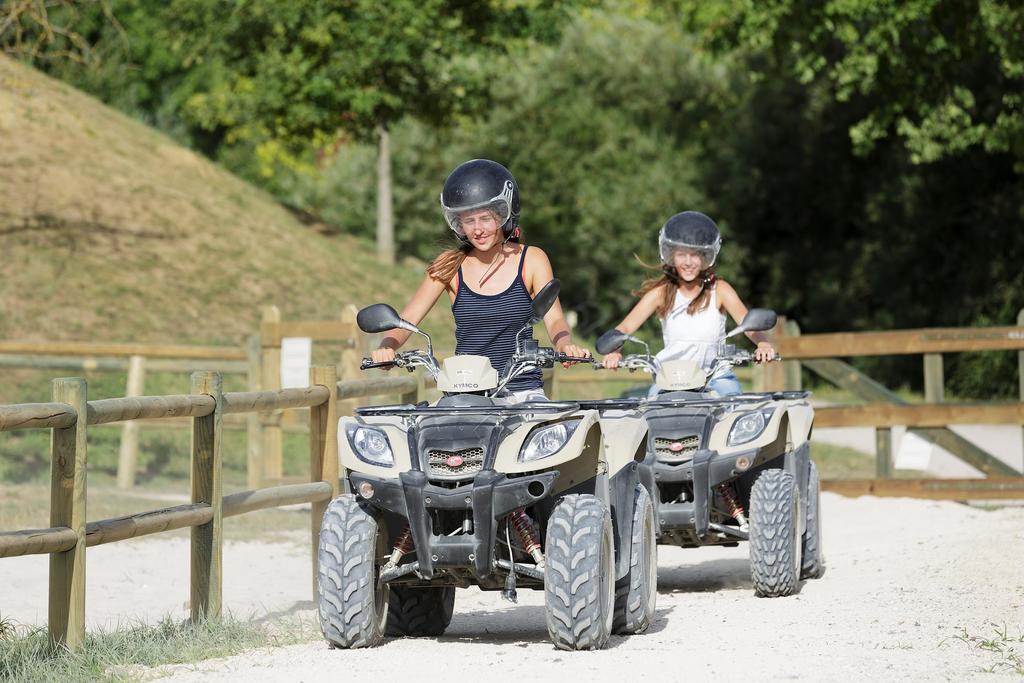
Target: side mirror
379, 318
756, 320
612, 340
545, 299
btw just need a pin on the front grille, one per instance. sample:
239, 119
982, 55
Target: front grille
440, 465
685, 447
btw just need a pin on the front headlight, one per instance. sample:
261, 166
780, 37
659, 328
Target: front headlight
546, 441
371, 446
748, 427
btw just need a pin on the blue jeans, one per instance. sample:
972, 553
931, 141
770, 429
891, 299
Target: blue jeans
723, 385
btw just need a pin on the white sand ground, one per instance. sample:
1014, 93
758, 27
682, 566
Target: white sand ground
907, 580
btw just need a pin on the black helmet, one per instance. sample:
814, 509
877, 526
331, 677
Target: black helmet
690, 230
479, 184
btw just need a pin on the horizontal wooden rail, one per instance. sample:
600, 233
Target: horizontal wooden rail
375, 386
896, 342
253, 401
87, 364
107, 410
37, 541
248, 501
1011, 488
937, 415
123, 350
36, 415
271, 332
144, 523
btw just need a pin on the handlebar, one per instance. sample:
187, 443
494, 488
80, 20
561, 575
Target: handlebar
368, 363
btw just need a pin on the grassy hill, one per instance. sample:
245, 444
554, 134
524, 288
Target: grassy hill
111, 231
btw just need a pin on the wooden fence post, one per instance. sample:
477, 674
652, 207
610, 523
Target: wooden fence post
934, 390
68, 460
1020, 377
128, 453
351, 356
883, 452
792, 370
417, 393
271, 381
771, 376
323, 449
253, 424
207, 487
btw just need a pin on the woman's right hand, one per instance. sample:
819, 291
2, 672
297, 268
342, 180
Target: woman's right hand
611, 360
383, 354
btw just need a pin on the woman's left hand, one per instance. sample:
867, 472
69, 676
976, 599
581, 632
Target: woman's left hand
573, 350
764, 353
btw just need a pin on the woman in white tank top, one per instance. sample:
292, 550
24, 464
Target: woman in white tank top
690, 301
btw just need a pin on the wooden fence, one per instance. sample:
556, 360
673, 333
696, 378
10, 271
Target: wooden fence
70, 414
930, 420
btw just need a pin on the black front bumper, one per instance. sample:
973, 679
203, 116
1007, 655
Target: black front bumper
705, 470
490, 496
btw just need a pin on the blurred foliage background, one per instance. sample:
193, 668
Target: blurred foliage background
864, 158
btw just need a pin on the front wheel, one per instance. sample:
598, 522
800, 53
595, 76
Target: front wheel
774, 534
813, 564
579, 573
353, 605
637, 591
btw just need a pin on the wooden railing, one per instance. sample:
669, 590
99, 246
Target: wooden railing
70, 534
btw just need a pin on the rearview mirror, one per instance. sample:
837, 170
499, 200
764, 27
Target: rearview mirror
545, 299
610, 341
756, 320
379, 318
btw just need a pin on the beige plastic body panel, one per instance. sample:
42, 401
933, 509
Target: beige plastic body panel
623, 432
467, 373
680, 375
797, 414
578, 445
396, 433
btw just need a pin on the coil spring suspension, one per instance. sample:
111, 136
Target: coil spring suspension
403, 545
527, 536
735, 509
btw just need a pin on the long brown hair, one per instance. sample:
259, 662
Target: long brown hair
670, 281
447, 263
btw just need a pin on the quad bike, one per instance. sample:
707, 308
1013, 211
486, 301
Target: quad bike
476, 489
711, 461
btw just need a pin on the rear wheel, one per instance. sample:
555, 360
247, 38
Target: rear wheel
353, 605
579, 574
636, 592
774, 537
813, 561
419, 612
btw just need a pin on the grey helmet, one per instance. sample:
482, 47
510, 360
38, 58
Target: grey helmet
479, 184
690, 230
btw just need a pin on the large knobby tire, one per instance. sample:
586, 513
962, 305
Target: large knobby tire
353, 605
579, 573
419, 612
637, 591
774, 534
813, 560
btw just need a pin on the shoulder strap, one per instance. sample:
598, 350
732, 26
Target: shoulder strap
522, 260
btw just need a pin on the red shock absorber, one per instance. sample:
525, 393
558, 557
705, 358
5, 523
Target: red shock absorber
735, 509
524, 528
403, 545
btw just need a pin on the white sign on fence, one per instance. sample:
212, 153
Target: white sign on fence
913, 452
296, 356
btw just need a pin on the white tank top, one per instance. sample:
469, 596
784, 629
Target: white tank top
692, 337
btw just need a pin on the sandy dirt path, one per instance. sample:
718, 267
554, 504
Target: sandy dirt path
911, 591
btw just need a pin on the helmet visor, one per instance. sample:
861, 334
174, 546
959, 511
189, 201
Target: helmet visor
463, 217
707, 252
500, 205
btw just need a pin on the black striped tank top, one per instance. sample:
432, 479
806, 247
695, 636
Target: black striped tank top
486, 325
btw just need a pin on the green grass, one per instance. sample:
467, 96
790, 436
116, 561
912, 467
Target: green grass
1006, 650
122, 654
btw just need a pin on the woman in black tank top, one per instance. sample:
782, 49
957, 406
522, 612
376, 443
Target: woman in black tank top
490, 277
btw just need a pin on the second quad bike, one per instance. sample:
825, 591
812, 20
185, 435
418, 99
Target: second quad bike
479, 490
725, 469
